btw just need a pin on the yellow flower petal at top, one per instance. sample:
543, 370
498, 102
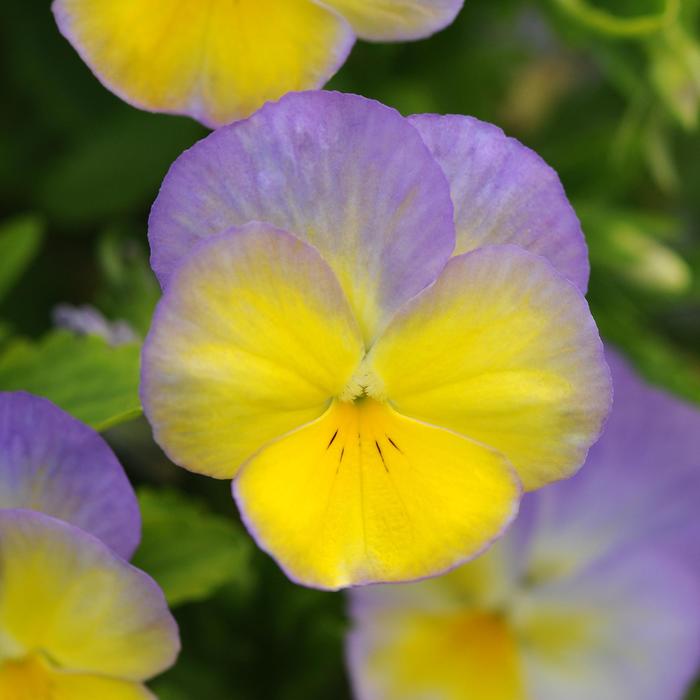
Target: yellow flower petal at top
391, 20
364, 494
35, 679
252, 339
503, 350
217, 60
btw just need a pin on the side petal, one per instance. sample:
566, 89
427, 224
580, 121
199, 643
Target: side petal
365, 495
65, 593
626, 629
641, 484
501, 349
505, 193
52, 463
349, 176
252, 338
397, 20
200, 58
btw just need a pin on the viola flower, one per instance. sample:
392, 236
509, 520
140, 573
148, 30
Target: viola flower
77, 622
379, 387
594, 592
220, 60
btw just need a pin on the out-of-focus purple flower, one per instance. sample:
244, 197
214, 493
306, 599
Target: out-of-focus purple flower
87, 320
594, 592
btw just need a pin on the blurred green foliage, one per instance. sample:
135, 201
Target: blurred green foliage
608, 91
188, 550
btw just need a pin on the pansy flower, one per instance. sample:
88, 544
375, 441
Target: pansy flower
77, 622
380, 387
594, 592
220, 60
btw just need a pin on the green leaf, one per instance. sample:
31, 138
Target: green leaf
20, 240
93, 381
189, 551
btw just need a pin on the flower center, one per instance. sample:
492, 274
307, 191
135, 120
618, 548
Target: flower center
364, 384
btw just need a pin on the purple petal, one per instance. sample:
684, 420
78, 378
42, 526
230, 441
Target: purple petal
505, 193
52, 463
628, 628
344, 173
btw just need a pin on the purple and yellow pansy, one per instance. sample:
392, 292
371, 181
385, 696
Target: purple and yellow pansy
377, 326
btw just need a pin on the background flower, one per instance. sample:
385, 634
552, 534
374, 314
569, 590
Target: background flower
593, 592
220, 61
378, 400
76, 620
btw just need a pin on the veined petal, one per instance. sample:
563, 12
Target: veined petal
344, 173
52, 463
641, 484
365, 495
626, 629
414, 654
65, 594
396, 20
252, 338
216, 61
501, 349
505, 193
35, 679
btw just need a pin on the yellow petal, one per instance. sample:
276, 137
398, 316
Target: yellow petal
251, 340
216, 60
501, 349
34, 679
364, 495
65, 594
456, 655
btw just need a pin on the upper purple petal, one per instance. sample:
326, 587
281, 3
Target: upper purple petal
52, 463
346, 174
503, 192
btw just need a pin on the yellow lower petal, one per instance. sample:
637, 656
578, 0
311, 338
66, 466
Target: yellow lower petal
216, 60
33, 678
466, 655
364, 494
